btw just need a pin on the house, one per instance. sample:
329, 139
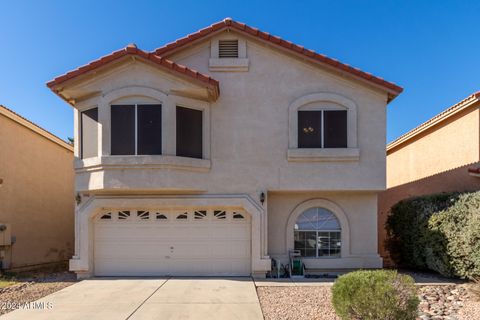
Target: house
267, 148
440, 155
36, 195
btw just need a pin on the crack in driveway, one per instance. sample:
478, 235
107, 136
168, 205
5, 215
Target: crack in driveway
146, 299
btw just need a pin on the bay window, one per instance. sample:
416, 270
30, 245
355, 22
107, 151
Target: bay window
136, 129
189, 123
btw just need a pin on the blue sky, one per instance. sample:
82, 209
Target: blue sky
430, 48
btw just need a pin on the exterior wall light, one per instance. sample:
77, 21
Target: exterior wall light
78, 199
262, 197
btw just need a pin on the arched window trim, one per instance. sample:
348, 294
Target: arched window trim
314, 102
323, 203
318, 229
313, 224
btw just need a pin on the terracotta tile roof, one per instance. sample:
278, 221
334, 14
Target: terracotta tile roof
132, 50
468, 101
243, 28
34, 127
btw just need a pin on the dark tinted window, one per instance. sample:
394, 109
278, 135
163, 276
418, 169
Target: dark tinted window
189, 132
149, 129
309, 129
335, 129
89, 131
123, 129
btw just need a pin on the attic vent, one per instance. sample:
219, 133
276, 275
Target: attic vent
228, 48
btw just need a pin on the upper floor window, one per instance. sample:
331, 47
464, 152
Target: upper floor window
322, 129
189, 132
136, 129
89, 133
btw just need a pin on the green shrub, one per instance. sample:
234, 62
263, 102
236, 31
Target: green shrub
437, 232
373, 295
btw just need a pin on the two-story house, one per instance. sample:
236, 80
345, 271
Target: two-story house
268, 147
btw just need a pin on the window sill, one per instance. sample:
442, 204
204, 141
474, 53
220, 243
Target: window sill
142, 162
229, 64
323, 155
322, 258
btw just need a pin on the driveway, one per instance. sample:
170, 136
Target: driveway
172, 298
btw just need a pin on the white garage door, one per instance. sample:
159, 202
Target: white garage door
158, 243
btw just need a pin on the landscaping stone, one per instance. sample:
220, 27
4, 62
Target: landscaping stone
33, 288
443, 302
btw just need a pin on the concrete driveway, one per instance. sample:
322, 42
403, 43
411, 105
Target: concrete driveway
172, 298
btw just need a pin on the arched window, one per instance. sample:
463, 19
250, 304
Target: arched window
317, 234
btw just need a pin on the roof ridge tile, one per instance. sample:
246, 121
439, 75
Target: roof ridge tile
129, 50
34, 124
230, 23
444, 114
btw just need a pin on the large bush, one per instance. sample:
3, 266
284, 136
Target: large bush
373, 295
437, 232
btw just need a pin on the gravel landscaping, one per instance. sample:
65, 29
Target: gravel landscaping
28, 289
448, 302
296, 303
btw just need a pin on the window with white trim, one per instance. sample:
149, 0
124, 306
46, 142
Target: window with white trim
317, 234
136, 129
189, 132
89, 133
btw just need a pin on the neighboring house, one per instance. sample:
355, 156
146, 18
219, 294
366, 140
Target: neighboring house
36, 194
440, 155
267, 148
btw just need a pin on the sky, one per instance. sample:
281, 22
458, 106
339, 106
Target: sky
430, 48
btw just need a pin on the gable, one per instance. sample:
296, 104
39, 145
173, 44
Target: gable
272, 72
133, 73
282, 46
62, 85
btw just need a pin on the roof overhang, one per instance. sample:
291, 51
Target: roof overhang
439, 118
58, 84
4, 111
392, 89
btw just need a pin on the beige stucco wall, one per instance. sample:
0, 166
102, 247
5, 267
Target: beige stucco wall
451, 144
249, 129
435, 161
247, 139
36, 197
359, 238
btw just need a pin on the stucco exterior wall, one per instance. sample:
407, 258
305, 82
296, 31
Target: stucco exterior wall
453, 180
434, 161
36, 196
451, 144
359, 238
249, 134
247, 149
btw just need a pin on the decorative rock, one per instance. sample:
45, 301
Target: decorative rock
441, 302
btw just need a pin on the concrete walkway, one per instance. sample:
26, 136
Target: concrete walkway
173, 298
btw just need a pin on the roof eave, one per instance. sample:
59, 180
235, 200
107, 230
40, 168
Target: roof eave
188, 74
439, 118
392, 89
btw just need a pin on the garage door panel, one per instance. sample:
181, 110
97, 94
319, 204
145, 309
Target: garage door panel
117, 267
131, 250
241, 249
210, 245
